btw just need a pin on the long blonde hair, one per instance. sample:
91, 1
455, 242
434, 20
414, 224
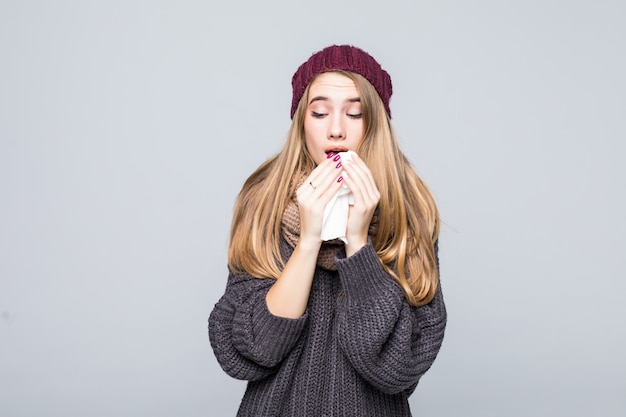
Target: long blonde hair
408, 219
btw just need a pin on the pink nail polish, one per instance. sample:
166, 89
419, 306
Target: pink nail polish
337, 158
338, 165
330, 155
339, 179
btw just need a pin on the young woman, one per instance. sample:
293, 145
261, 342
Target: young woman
344, 327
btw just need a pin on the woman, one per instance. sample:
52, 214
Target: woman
344, 327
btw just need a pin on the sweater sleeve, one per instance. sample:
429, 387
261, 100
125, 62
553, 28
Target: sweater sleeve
248, 340
390, 343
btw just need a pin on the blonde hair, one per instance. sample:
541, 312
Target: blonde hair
408, 219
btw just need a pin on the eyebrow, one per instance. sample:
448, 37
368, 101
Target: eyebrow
323, 98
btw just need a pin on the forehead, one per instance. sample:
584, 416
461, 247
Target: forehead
333, 83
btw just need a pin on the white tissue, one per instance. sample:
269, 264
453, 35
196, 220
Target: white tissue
335, 219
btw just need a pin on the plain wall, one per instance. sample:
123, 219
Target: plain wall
128, 127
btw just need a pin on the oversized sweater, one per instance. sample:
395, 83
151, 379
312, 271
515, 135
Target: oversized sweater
359, 349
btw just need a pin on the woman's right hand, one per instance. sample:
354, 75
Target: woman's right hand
313, 195
289, 295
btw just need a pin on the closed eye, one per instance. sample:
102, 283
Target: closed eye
317, 115
355, 116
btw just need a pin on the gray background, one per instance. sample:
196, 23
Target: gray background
128, 127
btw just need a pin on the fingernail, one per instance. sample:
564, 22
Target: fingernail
330, 155
337, 158
338, 165
339, 179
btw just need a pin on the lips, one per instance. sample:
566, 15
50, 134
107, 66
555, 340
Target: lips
336, 150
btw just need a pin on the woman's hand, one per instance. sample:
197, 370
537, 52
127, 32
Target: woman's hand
289, 295
313, 195
366, 197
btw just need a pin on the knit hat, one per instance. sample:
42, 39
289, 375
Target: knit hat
341, 57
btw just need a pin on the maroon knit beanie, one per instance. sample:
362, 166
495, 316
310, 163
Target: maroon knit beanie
341, 57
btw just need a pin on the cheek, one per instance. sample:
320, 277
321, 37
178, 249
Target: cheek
357, 132
309, 140
312, 133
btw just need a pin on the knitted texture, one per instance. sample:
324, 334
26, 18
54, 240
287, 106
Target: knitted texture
359, 349
342, 57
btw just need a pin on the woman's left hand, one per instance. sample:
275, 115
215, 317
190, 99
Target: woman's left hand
366, 197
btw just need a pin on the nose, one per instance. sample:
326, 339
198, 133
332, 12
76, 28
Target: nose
336, 129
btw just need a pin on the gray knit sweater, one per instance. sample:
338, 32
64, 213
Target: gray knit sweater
359, 350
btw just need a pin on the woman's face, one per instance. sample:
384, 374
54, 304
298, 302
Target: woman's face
333, 120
